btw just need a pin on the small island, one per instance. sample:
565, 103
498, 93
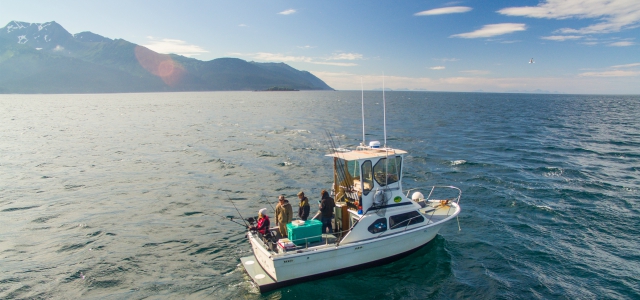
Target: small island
280, 89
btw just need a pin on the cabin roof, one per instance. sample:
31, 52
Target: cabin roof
368, 153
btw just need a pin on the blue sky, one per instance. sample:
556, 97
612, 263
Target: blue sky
578, 46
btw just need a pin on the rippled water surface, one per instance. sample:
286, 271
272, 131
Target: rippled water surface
113, 196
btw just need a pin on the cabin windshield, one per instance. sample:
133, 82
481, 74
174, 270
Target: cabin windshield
387, 171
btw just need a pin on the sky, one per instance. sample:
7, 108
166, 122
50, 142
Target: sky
559, 46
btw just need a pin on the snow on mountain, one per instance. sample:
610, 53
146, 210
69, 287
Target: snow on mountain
47, 35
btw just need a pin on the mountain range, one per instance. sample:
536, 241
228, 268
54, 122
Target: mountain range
46, 58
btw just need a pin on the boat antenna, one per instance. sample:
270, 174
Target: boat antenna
384, 112
362, 89
234, 206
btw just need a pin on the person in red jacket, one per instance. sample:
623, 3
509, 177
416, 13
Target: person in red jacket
263, 223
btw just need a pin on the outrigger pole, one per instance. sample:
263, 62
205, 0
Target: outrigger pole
362, 89
384, 112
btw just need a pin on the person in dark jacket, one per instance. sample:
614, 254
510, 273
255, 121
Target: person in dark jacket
303, 210
326, 208
263, 223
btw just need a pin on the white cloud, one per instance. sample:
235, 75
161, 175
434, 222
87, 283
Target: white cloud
437, 68
243, 25
561, 38
345, 56
573, 84
447, 59
277, 57
626, 66
306, 47
616, 15
492, 30
168, 46
444, 10
616, 73
622, 44
339, 64
287, 12
265, 56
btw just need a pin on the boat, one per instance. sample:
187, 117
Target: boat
374, 222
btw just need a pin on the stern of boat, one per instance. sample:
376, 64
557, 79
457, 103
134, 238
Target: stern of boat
263, 255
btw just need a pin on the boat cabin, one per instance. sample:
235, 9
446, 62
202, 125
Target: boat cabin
362, 177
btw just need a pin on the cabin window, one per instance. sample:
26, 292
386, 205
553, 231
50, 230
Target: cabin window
353, 166
405, 219
387, 171
367, 177
380, 225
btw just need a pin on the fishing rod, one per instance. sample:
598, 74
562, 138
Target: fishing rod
341, 171
227, 218
234, 206
267, 200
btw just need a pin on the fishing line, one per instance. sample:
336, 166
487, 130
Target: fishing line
267, 200
234, 206
227, 218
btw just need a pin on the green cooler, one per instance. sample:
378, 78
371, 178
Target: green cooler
311, 230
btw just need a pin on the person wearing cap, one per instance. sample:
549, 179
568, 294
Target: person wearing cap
284, 215
303, 210
263, 223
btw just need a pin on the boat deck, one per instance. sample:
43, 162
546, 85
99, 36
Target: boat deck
257, 273
435, 213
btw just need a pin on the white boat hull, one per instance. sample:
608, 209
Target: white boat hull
340, 257
313, 266
290, 268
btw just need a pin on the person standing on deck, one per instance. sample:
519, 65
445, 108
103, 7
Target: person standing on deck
303, 211
326, 207
284, 215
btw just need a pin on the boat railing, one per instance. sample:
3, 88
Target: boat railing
340, 235
456, 198
444, 201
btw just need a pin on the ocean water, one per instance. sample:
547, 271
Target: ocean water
115, 196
